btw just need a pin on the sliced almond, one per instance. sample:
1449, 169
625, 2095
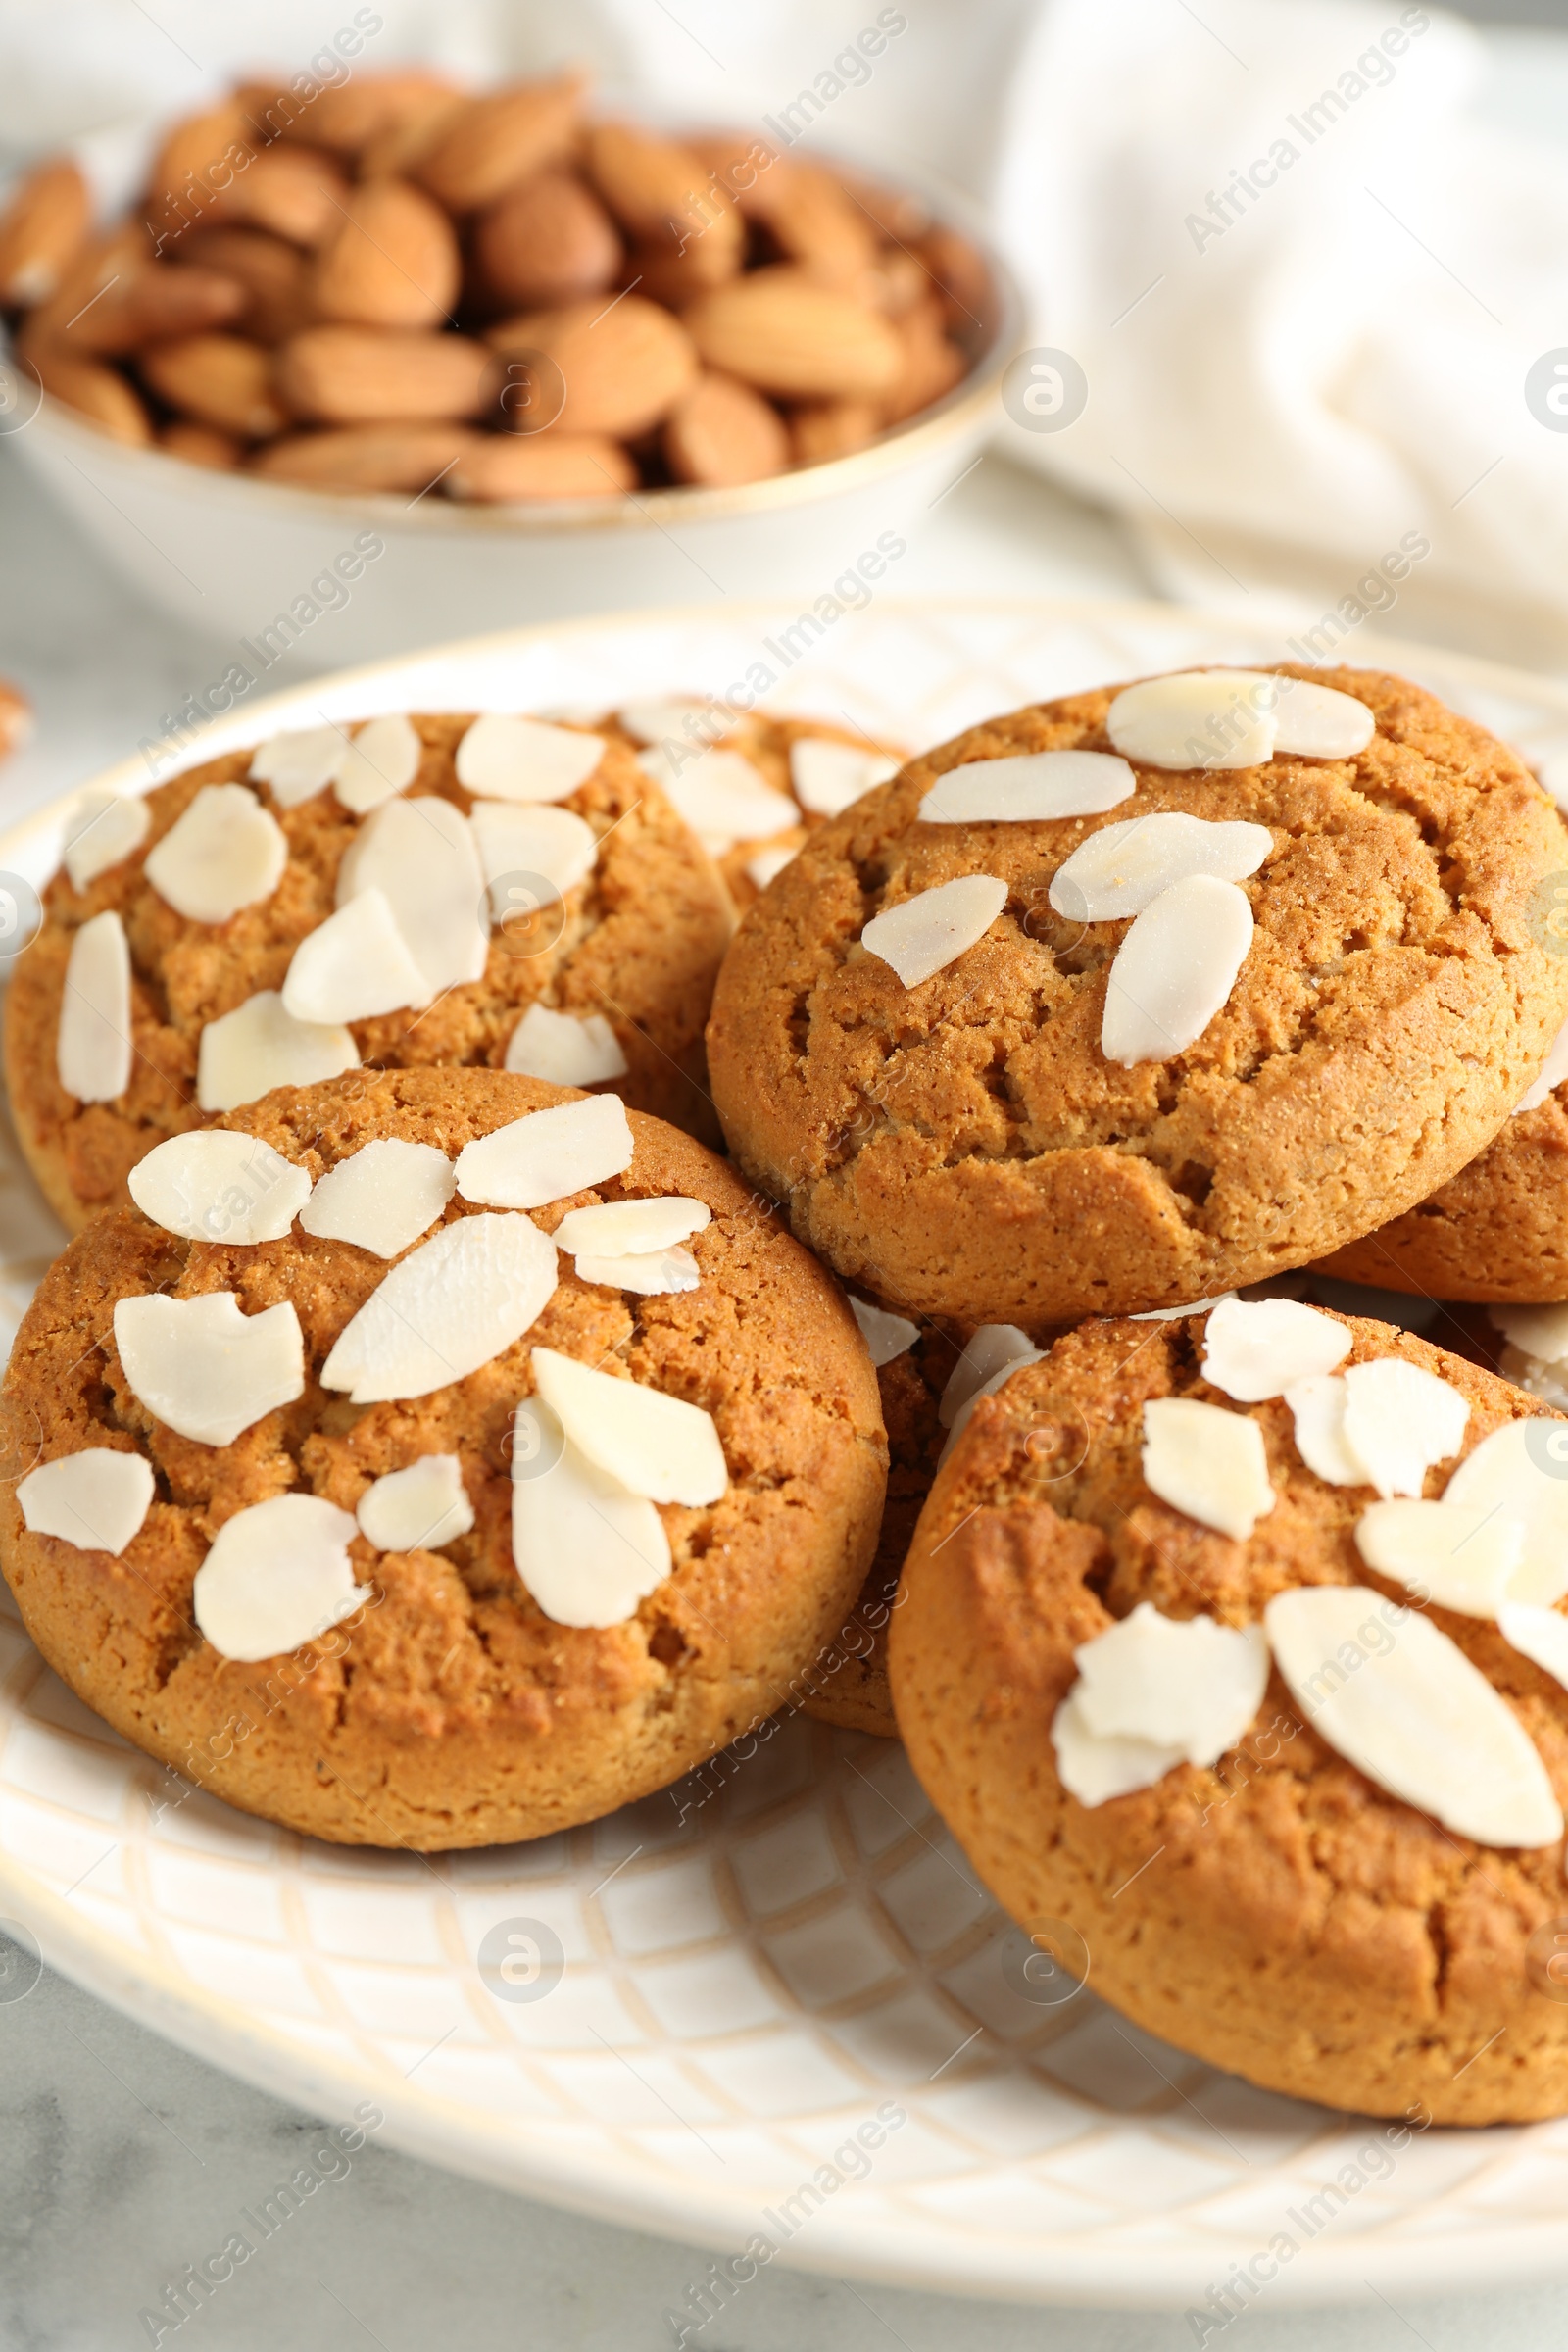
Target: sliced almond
922, 936
296, 766
565, 1048
1538, 1634
258, 1046
1319, 723
987, 1349
1208, 1464
421, 853
1456, 1557
670, 723
1189, 1683
502, 757
1521, 1472
383, 758
96, 1499
1553, 1073
829, 777
383, 1196
447, 1310
1262, 1347
552, 848
767, 865
548, 1155
1400, 1422
1175, 970
1094, 1770
1401, 1702
102, 829
417, 1509
205, 1369
353, 967
1317, 1406
887, 1335
650, 1274
1202, 719
720, 794
93, 1043
626, 1228
1538, 1331
652, 1444
586, 1549
1028, 788
1122, 868
211, 1185
991, 1387
277, 1575
224, 852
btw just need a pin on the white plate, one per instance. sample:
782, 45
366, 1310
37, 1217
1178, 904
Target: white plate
756, 1961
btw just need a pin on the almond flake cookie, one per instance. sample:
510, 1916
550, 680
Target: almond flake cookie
1261, 1713
437, 1458
414, 892
1136, 997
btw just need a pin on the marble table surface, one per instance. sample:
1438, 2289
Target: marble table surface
121, 2159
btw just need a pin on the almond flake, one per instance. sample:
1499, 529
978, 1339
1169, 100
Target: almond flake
1456, 1557
565, 1048
203, 1368
886, 1335
1521, 1472
353, 967
298, 766
650, 1273
547, 1154
586, 1549
1319, 723
1174, 970
421, 853
1122, 868
652, 1444
1207, 1463
721, 795
1173, 1314
1394, 1695
96, 1499
923, 935
829, 777
1095, 1770
417, 1509
383, 758
541, 845
988, 1387
508, 758
92, 1044
226, 851
625, 1228
1553, 1073
1538, 1634
277, 1575
1189, 1682
213, 1186
452, 1305
102, 828
1198, 718
1317, 1406
1538, 1331
1252, 1349
988, 1350
768, 864
664, 722
1399, 1422
1028, 788
259, 1046
383, 1196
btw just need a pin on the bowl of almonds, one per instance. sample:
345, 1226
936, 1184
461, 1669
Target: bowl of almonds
508, 354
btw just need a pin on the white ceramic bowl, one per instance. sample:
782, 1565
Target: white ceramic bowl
255, 562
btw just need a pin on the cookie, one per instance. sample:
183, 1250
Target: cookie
486, 1617
1272, 1754
986, 1093
753, 789
568, 926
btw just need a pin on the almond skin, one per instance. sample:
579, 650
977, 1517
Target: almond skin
366, 457
16, 718
781, 331
722, 432
98, 393
201, 445
99, 271
823, 430
196, 166
218, 380
492, 143
615, 368
392, 152
343, 120
368, 376
41, 232
547, 242
151, 304
392, 261
293, 192
660, 192
499, 468
271, 271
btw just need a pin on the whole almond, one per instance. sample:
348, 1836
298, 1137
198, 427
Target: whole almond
958, 273
196, 166
722, 432
292, 191
41, 232
823, 430
392, 152
201, 445
104, 266
548, 241
659, 190
366, 457
271, 271
744, 163
370, 376
492, 143
392, 261
783, 332
595, 368
932, 366
98, 393
16, 718
152, 304
674, 274
898, 217
216, 379
500, 468
343, 119
812, 222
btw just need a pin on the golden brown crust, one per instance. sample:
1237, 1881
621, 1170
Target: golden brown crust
455, 1713
965, 1149
1279, 1914
641, 942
